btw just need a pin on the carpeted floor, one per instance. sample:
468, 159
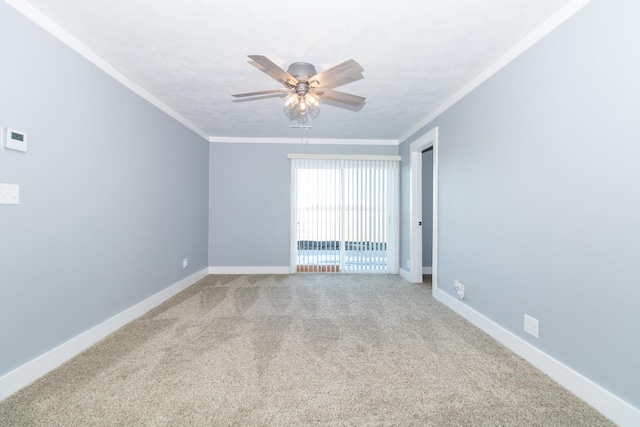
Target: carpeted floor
304, 349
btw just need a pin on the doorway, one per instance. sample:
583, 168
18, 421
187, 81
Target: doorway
425, 142
427, 211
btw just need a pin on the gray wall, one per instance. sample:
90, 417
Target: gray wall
114, 194
539, 195
427, 208
249, 200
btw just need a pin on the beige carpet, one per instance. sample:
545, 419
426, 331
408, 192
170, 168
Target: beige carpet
305, 349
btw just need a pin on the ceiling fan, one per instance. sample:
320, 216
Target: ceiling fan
305, 86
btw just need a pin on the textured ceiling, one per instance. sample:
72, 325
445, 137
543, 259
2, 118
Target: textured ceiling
192, 54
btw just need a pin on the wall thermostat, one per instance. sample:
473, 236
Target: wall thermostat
15, 140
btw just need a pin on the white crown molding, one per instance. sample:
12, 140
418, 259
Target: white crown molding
607, 403
564, 13
304, 141
58, 32
54, 29
35, 368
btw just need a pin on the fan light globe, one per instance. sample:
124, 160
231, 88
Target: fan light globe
301, 107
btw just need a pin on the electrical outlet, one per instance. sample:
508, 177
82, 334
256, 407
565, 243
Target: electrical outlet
408, 263
531, 325
185, 263
459, 286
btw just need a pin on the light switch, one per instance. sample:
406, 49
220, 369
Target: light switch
9, 194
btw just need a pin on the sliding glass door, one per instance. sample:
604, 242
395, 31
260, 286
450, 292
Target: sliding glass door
344, 215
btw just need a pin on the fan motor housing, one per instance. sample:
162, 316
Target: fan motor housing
302, 71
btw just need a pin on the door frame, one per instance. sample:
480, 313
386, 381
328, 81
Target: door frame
430, 139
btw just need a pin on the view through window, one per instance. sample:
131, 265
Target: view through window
345, 214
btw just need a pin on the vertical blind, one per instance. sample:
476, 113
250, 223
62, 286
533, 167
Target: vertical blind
344, 215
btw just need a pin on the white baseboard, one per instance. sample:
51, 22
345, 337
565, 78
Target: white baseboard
610, 405
34, 369
250, 270
405, 275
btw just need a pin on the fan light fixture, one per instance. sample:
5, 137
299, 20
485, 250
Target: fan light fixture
305, 86
301, 107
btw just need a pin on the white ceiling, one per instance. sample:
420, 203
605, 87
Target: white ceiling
192, 55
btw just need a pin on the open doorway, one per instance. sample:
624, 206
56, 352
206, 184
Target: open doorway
429, 141
427, 213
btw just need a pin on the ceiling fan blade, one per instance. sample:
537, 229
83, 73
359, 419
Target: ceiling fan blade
334, 95
264, 70
265, 65
262, 92
343, 81
337, 73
